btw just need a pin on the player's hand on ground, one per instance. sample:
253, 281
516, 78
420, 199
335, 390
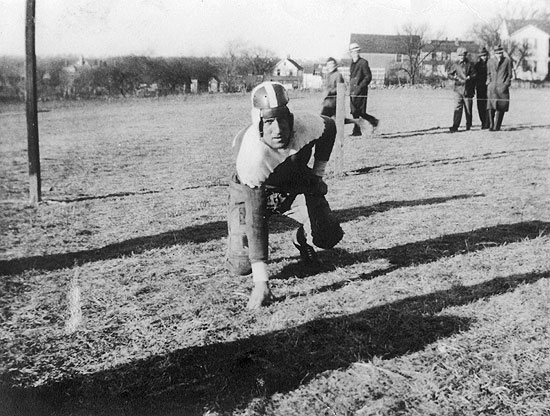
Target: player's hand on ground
261, 296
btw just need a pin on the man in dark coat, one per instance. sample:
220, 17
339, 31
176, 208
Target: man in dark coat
463, 73
360, 78
499, 79
481, 88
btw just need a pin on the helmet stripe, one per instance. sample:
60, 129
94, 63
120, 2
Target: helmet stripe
271, 95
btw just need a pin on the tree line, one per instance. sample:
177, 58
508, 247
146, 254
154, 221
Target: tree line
71, 77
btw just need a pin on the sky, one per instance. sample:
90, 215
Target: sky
301, 29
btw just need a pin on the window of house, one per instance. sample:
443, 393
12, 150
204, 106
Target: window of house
399, 58
534, 66
278, 72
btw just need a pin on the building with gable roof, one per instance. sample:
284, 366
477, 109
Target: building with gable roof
382, 52
386, 53
536, 34
288, 72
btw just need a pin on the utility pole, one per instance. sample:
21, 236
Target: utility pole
32, 110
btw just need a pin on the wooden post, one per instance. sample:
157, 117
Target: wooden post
32, 110
340, 116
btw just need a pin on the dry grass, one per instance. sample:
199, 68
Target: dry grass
115, 298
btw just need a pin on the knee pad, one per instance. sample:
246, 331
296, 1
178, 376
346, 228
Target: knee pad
237, 242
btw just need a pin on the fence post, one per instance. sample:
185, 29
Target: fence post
340, 116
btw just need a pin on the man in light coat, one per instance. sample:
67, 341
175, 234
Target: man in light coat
463, 73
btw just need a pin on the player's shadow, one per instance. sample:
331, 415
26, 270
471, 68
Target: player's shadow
420, 252
224, 377
195, 234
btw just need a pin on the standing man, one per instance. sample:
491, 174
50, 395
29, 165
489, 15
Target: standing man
360, 78
273, 176
499, 79
463, 73
481, 88
334, 77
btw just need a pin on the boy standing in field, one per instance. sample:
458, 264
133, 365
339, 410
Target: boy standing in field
334, 77
272, 176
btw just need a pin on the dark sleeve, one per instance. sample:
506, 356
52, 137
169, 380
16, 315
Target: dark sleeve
325, 143
367, 75
510, 73
452, 71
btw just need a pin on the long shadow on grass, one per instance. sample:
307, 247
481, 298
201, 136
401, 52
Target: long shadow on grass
227, 376
438, 162
420, 252
195, 234
438, 130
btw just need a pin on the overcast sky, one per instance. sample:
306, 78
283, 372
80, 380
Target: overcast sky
303, 29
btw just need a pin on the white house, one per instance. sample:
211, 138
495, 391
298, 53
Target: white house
288, 72
535, 33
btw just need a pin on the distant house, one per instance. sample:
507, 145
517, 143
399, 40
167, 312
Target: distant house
535, 34
441, 52
213, 85
385, 53
313, 76
194, 86
288, 72
382, 52
69, 73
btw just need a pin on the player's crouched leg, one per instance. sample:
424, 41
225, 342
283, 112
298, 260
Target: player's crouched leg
325, 228
237, 257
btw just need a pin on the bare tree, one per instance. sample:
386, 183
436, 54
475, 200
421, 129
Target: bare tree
242, 60
488, 33
418, 48
520, 54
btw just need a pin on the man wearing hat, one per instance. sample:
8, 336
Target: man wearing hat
464, 75
499, 79
481, 88
360, 78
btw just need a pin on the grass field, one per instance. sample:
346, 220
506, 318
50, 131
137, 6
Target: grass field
115, 298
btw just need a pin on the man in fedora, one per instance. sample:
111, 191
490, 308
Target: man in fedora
360, 78
481, 88
463, 73
499, 79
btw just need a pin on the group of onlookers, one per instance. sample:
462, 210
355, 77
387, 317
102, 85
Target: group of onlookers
487, 79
